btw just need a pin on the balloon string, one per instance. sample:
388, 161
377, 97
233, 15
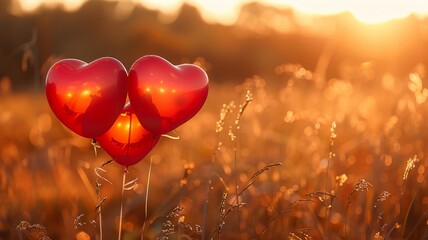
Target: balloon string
96, 146
125, 171
129, 134
171, 137
97, 172
101, 224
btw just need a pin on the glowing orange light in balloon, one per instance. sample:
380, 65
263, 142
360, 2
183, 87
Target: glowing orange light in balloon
127, 142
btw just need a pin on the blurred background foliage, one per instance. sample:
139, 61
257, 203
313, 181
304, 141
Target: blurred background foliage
262, 38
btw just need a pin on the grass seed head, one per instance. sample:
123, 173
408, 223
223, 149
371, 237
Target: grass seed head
409, 166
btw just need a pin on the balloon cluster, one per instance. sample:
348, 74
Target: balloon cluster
91, 100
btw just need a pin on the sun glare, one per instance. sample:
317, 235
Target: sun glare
226, 11
222, 11
32, 5
367, 11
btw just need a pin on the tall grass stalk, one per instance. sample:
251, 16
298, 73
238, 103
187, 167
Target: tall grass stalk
417, 224
311, 198
235, 204
333, 136
407, 215
362, 185
331, 155
421, 218
381, 198
237, 187
409, 166
242, 107
207, 191
226, 109
147, 198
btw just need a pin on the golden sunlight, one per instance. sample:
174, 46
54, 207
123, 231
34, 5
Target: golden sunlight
226, 11
32, 5
366, 11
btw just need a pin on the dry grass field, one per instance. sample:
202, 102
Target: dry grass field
342, 158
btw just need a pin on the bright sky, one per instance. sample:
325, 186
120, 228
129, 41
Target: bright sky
226, 11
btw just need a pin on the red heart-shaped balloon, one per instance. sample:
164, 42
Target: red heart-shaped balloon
87, 98
165, 96
127, 142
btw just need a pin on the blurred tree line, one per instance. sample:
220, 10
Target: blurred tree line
262, 39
